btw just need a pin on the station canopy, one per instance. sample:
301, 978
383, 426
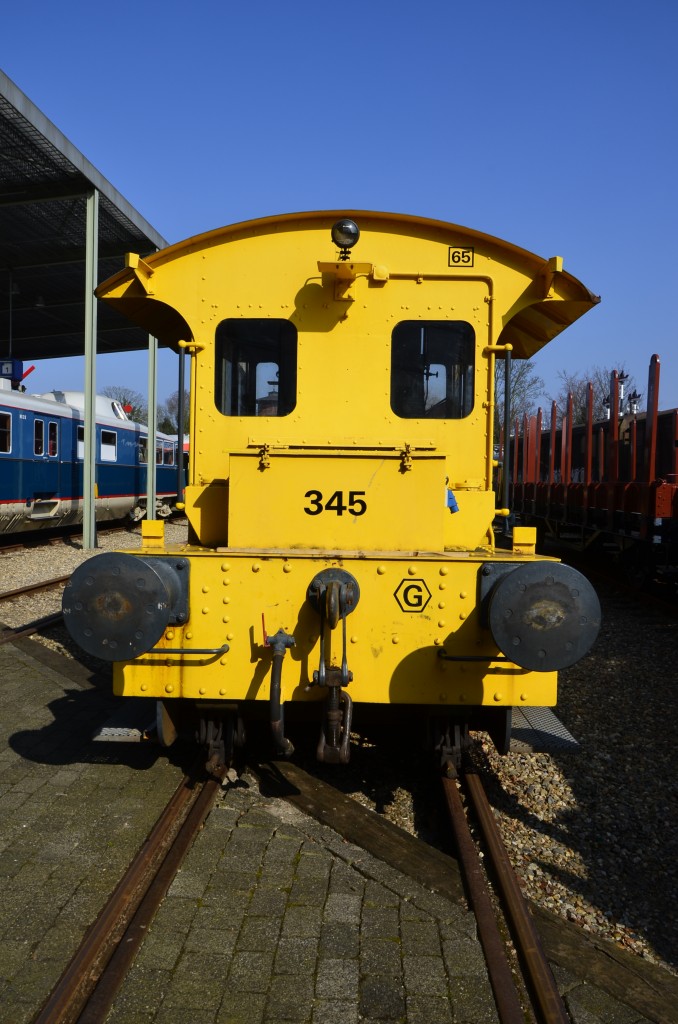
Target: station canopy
44, 184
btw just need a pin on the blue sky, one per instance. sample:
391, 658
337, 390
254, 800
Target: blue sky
553, 126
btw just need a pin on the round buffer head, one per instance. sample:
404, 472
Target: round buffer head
116, 606
544, 616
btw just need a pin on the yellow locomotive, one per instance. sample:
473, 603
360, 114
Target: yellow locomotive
340, 497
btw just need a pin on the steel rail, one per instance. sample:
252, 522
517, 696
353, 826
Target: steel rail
530, 950
45, 585
101, 999
9, 634
498, 968
70, 994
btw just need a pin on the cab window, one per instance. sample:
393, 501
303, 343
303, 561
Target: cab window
432, 364
109, 446
53, 438
38, 437
256, 367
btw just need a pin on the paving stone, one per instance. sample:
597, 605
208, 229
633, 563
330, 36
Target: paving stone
381, 956
251, 971
339, 939
259, 933
420, 937
290, 997
239, 1007
302, 921
424, 975
296, 956
335, 1011
382, 998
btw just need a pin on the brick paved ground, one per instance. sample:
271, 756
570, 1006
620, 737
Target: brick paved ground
273, 918
72, 814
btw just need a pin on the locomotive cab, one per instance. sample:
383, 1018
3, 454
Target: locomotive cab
340, 498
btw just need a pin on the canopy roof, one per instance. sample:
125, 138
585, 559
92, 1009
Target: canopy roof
44, 182
547, 301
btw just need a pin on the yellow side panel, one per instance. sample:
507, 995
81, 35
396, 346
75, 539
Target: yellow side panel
340, 503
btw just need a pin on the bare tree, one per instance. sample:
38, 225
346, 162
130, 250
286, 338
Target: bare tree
132, 402
526, 386
576, 384
168, 414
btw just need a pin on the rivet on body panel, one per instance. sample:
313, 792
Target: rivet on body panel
169, 688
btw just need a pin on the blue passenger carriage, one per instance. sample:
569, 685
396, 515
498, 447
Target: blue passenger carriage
42, 449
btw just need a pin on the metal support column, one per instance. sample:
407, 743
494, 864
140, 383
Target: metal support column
181, 413
89, 536
152, 426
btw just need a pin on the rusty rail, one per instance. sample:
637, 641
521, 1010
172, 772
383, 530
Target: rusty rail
8, 634
32, 587
88, 985
498, 968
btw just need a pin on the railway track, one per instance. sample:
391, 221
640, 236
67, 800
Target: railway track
87, 988
540, 985
37, 625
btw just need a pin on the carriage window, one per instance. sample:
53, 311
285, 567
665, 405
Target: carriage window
109, 446
432, 364
256, 367
52, 438
81, 442
168, 454
5, 432
143, 450
158, 455
39, 437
